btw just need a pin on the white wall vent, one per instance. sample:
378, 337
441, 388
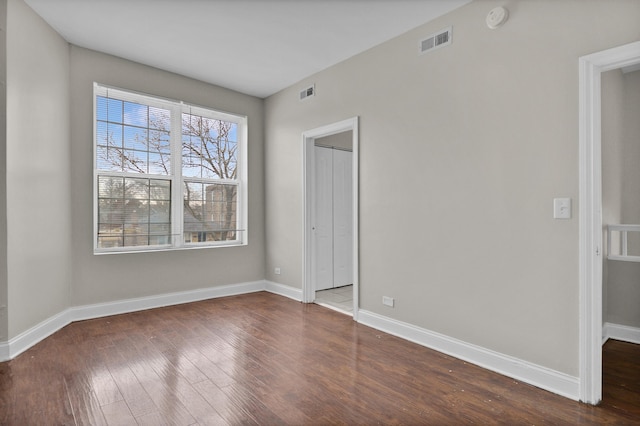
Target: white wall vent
440, 39
308, 92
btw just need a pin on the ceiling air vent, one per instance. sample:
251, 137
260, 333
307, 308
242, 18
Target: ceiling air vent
440, 39
308, 92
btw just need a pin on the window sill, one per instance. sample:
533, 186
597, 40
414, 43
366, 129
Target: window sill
165, 249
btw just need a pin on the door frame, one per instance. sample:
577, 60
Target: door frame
308, 140
590, 212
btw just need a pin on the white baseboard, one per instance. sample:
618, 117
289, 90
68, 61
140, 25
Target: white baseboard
284, 290
542, 377
623, 333
28, 338
138, 304
35, 334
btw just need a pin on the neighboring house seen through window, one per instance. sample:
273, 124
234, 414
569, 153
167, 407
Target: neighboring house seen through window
167, 175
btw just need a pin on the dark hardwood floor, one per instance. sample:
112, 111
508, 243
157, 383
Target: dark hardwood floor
264, 359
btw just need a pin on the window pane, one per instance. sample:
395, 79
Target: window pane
233, 132
187, 124
135, 138
195, 126
134, 161
214, 218
159, 119
159, 164
160, 229
128, 206
209, 149
159, 141
160, 212
191, 167
191, 146
192, 191
111, 211
114, 110
136, 114
114, 135
110, 187
137, 188
101, 108
110, 235
157, 240
160, 190
136, 211
232, 169
102, 134
136, 235
211, 128
108, 159
193, 213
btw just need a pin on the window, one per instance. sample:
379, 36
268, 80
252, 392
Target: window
150, 153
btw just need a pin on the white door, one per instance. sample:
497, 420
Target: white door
324, 218
342, 219
334, 229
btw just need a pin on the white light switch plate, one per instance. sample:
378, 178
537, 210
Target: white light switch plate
562, 208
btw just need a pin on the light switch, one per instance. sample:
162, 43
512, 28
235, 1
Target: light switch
562, 208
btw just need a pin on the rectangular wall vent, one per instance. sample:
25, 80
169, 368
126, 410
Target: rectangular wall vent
440, 39
308, 92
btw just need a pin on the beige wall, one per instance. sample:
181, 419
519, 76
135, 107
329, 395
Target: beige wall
121, 276
38, 180
462, 151
49, 201
343, 140
620, 189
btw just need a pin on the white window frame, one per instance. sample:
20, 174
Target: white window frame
177, 108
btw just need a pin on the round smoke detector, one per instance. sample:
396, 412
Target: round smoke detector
497, 17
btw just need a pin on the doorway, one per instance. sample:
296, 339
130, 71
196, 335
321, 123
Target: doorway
590, 207
331, 216
333, 223
620, 100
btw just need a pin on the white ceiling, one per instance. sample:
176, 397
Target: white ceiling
256, 47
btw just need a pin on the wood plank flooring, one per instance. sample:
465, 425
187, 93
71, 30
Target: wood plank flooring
264, 359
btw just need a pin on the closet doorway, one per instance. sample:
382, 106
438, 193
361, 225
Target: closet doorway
331, 216
333, 228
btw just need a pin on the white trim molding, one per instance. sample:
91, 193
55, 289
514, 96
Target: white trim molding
29, 338
284, 290
524, 371
590, 216
139, 304
624, 333
308, 138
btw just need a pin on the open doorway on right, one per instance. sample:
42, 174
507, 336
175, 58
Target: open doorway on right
333, 214
621, 220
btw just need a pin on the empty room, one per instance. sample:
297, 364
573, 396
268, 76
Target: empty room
319, 212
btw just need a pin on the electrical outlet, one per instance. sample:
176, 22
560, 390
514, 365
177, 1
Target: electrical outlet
387, 301
276, 271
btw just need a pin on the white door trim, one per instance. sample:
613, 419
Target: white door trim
308, 138
590, 205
